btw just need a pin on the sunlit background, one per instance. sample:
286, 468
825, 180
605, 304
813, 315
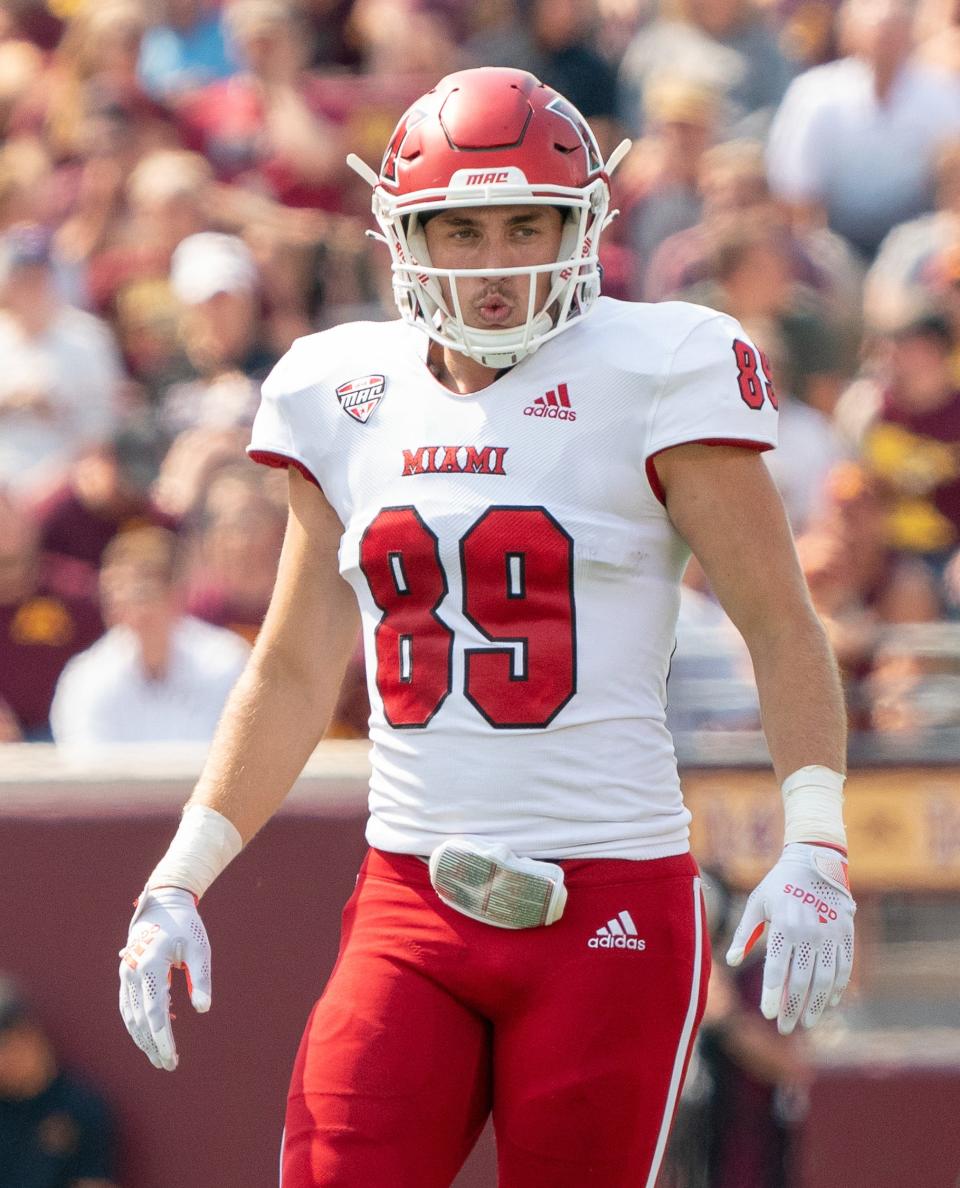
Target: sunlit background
174, 211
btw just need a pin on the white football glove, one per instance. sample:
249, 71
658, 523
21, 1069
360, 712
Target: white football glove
165, 933
805, 903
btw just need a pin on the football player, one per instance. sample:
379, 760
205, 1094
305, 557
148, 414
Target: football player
508, 481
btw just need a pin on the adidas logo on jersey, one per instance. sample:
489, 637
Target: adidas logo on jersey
618, 933
555, 406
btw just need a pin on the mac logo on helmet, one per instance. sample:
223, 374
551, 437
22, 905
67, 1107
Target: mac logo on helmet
511, 176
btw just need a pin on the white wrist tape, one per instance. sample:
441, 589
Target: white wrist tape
203, 846
813, 807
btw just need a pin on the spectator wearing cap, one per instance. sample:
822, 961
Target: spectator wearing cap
656, 187
215, 279
55, 1131
854, 141
172, 194
267, 127
904, 422
106, 492
46, 616
61, 372
157, 675
184, 50
724, 44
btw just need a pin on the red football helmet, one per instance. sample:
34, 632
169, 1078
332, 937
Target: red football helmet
492, 136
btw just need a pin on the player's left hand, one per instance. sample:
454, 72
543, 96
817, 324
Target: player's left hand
806, 905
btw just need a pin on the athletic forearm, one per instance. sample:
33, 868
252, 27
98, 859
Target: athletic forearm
801, 699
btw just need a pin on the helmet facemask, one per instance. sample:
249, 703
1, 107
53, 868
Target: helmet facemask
574, 276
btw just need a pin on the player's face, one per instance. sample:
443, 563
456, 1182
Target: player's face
488, 238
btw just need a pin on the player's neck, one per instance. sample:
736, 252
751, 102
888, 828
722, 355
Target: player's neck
457, 371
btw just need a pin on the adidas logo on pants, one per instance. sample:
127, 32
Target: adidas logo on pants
618, 933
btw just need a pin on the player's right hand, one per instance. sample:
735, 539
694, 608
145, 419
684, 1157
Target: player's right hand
165, 933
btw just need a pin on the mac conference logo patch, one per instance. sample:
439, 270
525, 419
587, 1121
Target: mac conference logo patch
359, 397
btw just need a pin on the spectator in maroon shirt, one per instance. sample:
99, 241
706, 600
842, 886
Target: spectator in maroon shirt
905, 422
105, 492
45, 619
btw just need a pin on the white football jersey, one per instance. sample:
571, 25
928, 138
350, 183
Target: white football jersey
517, 573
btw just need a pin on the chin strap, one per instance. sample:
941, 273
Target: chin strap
487, 347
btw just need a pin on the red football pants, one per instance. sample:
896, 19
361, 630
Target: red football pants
431, 1020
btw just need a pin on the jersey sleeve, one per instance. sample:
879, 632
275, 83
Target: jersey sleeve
717, 390
278, 438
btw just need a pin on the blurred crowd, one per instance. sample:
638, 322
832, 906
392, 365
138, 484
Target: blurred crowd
175, 209
56, 1130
